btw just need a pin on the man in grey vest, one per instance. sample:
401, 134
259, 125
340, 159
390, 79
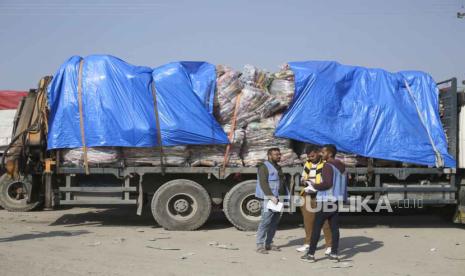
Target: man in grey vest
270, 185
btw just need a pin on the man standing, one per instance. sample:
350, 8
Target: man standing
270, 185
312, 172
331, 190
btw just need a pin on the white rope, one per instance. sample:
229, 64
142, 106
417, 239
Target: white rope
439, 160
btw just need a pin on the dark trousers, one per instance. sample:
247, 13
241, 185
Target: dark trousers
320, 217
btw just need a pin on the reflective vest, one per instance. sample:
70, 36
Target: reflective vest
338, 192
273, 181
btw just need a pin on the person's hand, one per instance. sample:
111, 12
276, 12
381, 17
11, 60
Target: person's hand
303, 182
274, 200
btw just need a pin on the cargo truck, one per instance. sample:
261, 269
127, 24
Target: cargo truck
182, 198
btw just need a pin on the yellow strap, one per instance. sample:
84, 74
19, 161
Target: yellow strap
81, 118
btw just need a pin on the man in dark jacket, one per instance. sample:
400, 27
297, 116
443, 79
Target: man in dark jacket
330, 191
270, 185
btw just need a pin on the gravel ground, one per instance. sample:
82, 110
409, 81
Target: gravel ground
114, 241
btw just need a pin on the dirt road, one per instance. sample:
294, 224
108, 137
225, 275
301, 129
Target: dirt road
113, 241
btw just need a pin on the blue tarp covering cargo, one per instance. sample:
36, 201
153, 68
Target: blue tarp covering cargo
118, 106
370, 112
201, 77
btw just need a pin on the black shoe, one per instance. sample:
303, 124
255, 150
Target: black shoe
333, 258
308, 258
272, 247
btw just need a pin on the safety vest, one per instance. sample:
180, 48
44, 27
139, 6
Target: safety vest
338, 192
273, 181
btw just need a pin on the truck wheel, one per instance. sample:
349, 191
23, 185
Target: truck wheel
181, 204
13, 195
241, 207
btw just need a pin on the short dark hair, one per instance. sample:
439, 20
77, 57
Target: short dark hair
332, 148
270, 150
312, 148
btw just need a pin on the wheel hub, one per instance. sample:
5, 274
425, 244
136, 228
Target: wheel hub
253, 206
16, 191
181, 205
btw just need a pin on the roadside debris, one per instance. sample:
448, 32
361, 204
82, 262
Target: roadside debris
119, 240
185, 256
162, 248
342, 265
223, 246
161, 238
432, 249
97, 243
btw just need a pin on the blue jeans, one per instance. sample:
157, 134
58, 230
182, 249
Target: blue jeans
268, 226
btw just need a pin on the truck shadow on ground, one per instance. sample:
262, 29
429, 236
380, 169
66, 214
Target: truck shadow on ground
106, 216
40, 235
126, 216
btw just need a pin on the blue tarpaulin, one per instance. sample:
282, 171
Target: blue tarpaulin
369, 112
200, 75
182, 101
118, 106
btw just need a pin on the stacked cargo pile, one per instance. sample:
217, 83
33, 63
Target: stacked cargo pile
255, 119
228, 87
213, 156
282, 87
96, 156
172, 156
260, 137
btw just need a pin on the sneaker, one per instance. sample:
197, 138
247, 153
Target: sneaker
308, 258
328, 251
272, 247
303, 248
261, 250
333, 258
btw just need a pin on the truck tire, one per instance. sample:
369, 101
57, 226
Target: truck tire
241, 207
12, 197
181, 204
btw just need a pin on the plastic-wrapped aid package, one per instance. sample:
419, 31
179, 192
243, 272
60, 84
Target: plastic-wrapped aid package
175, 156
95, 156
213, 156
282, 87
259, 137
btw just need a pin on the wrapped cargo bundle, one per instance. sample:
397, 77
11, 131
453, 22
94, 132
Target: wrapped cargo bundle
172, 156
212, 156
228, 87
259, 137
255, 102
95, 156
350, 160
252, 76
282, 87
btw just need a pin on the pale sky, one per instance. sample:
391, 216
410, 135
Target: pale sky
37, 36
